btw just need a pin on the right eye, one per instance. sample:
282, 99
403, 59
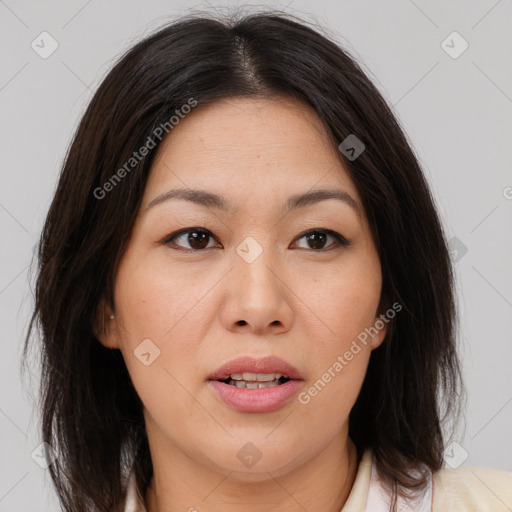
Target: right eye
197, 238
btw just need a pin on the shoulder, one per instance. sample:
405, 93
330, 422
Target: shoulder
472, 488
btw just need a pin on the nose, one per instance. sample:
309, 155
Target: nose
258, 297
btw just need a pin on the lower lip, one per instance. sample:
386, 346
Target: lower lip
256, 400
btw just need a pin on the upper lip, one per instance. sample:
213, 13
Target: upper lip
268, 364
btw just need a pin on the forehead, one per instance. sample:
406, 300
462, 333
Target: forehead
238, 145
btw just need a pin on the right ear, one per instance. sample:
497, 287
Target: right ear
105, 326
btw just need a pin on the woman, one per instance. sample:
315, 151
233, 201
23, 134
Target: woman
244, 290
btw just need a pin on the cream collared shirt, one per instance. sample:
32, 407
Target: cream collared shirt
466, 489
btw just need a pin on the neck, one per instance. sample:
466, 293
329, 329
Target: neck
321, 484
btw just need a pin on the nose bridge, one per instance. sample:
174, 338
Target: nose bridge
256, 263
256, 293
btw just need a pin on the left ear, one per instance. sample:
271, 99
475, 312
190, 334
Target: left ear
380, 323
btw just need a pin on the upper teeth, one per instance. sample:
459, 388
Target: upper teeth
261, 377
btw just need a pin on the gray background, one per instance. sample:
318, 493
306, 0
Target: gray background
456, 112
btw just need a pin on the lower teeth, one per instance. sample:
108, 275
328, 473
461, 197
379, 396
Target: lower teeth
253, 384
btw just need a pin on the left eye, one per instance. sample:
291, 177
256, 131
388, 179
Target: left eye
318, 237
198, 239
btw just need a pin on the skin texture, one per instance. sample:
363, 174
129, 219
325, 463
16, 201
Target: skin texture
301, 303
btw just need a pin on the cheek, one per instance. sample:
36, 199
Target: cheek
340, 364
345, 304
160, 328
343, 300
153, 300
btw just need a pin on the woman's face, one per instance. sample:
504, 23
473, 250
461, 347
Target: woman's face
247, 280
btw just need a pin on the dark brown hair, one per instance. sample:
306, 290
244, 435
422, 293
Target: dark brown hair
91, 413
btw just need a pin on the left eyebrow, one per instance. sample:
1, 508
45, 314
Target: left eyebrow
315, 196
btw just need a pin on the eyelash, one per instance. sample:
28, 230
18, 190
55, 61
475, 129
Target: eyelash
340, 240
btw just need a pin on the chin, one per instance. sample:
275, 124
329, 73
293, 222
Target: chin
251, 461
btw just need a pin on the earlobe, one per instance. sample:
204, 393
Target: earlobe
381, 322
378, 340
381, 326
104, 326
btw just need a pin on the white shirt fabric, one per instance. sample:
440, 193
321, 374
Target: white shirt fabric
466, 489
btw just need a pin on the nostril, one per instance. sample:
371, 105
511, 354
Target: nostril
241, 322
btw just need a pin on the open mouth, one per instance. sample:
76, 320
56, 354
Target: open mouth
255, 380
264, 389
